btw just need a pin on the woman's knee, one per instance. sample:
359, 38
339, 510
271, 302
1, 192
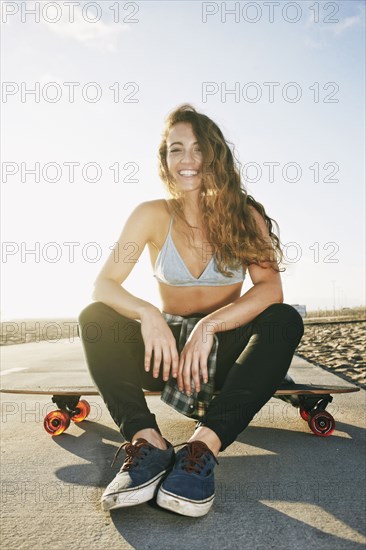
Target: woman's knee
290, 320
100, 312
283, 312
100, 318
92, 312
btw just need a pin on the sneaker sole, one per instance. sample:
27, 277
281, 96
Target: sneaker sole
132, 497
183, 506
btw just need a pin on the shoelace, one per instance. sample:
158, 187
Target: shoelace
195, 456
132, 451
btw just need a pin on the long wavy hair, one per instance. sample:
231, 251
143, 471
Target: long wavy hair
230, 227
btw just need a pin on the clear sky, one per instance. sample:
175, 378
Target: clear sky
298, 82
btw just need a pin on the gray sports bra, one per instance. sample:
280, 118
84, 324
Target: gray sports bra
170, 269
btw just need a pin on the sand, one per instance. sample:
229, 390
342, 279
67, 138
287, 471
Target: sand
337, 346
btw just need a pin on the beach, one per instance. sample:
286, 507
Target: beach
336, 345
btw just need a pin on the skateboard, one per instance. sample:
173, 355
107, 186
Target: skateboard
311, 400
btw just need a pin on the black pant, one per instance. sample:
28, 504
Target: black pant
252, 361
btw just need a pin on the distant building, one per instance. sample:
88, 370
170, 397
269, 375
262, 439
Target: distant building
300, 309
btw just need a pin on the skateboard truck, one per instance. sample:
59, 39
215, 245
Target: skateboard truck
311, 408
66, 402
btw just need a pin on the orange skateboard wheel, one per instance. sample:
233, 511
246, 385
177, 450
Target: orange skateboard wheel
83, 410
56, 422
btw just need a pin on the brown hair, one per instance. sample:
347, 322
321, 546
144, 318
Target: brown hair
224, 203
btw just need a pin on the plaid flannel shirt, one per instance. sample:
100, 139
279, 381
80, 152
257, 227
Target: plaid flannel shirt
196, 404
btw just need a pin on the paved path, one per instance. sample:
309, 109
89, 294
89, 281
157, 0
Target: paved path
278, 486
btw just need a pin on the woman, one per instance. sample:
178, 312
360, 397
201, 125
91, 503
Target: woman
207, 338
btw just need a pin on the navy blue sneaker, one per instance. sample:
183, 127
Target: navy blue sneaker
189, 489
138, 479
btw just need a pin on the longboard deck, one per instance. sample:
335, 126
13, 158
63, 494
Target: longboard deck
295, 389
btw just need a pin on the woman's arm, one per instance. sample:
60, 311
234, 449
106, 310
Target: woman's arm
114, 295
131, 243
266, 290
158, 338
243, 310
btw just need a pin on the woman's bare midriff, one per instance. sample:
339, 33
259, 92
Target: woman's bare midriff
181, 300
185, 300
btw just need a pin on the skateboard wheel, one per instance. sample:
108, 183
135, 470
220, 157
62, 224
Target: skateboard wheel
82, 411
56, 422
322, 423
304, 414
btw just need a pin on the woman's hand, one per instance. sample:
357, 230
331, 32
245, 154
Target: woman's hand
193, 358
158, 338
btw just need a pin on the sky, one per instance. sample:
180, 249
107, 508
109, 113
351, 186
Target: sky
84, 97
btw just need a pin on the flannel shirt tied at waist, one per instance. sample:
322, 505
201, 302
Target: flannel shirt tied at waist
196, 404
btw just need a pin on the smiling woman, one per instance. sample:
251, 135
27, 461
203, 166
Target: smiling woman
207, 337
198, 170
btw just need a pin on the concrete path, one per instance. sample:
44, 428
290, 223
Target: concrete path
278, 486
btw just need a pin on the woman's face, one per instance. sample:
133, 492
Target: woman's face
184, 157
